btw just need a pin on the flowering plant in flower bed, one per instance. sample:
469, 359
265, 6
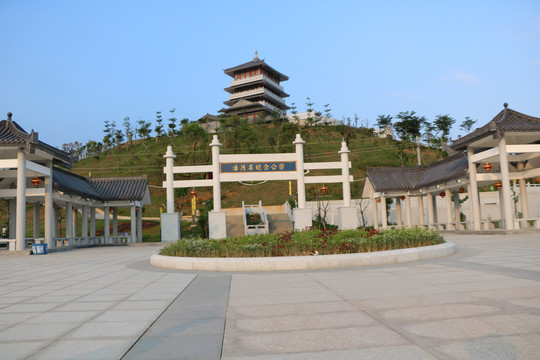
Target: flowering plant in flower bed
309, 242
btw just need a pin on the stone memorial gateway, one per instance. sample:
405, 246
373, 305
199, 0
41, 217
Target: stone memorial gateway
256, 167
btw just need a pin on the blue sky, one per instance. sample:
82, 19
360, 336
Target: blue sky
67, 66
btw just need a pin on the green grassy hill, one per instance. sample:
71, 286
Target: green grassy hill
191, 148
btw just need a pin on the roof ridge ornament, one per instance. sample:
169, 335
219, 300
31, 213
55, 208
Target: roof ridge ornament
256, 56
9, 116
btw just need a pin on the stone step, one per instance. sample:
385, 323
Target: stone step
277, 224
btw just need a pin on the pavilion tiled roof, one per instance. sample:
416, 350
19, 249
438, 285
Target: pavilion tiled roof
13, 135
418, 177
256, 62
120, 188
102, 189
507, 120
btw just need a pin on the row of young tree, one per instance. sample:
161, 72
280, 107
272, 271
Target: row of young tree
409, 126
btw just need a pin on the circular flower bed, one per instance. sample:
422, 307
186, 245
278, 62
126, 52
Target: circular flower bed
309, 242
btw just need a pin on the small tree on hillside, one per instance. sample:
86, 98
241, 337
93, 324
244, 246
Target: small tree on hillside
128, 129
444, 123
159, 125
172, 124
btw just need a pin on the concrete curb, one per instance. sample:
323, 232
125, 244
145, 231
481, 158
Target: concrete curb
304, 262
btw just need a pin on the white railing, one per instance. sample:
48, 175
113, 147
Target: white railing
247, 93
256, 78
252, 229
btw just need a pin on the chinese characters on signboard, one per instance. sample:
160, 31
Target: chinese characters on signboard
267, 166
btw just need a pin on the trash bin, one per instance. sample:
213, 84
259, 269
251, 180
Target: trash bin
39, 249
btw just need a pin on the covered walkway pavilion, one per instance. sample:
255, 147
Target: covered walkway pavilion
32, 172
505, 149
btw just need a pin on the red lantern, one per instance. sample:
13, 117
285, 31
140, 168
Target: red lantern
378, 200
487, 166
36, 181
324, 189
402, 197
193, 192
461, 190
442, 194
498, 185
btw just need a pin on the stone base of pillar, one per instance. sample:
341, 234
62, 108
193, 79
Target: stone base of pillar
347, 218
217, 224
302, 219
170, 226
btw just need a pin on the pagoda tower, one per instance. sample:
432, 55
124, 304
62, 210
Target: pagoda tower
255, 90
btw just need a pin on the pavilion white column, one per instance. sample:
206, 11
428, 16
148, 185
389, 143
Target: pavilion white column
457, 213
49, 210
75, 215
398, 212
133, 224
69, 223
56, 231
12, 218
471, 209
431, 212
20, 232
344, 152
524, 199
421, 210
36, 220
449, 211
84, 227
93, 222
216, 184
169, 178
408, 213
505, 174
106, 224
375, 213
139, 224
474, 198
383, 212
115, 221
301, 190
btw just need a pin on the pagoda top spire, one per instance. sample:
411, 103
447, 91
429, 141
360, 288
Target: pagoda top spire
256, 57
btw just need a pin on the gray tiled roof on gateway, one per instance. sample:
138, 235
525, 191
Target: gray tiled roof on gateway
418, 177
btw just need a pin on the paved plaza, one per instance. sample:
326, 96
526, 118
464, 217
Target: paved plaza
109, 303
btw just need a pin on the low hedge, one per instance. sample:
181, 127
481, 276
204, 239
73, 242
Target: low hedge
310, 242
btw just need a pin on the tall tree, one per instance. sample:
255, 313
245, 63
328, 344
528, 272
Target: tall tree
408, 128
467, 124
444, 123
310, 121
384, 122
108, 138
294, 113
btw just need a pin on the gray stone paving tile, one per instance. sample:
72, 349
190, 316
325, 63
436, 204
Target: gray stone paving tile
437, 312
200, 347
84, 306
290, 309
403, 352
53, 317
128, 315
520, 347
106, 330
450, 329
83, 350
36, 331
305, 321
19, 349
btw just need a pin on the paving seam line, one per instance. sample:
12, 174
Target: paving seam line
157, 318
225, 320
